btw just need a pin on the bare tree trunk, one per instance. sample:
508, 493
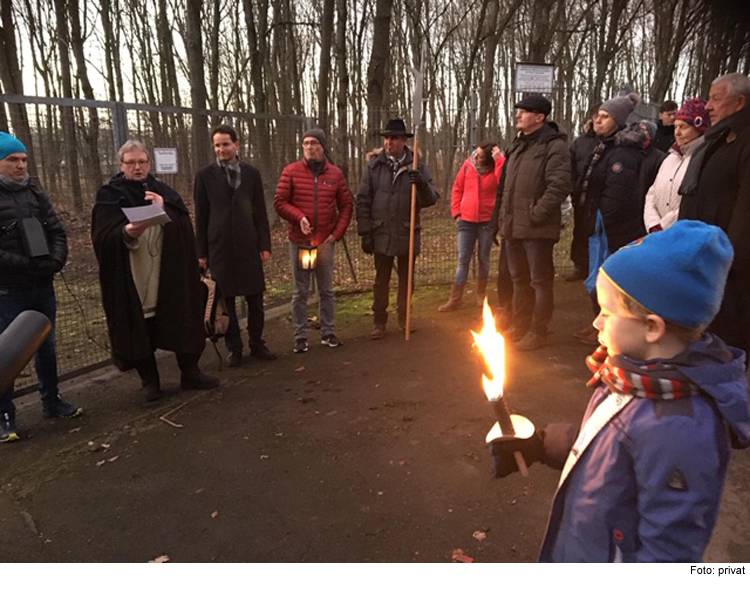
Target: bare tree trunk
12, 80
90, 136
194, 46
376, 69
68, 121
326, 34
343, 78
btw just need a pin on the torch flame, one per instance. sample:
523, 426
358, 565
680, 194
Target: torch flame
492, 346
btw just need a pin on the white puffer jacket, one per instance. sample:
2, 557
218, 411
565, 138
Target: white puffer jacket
662, 200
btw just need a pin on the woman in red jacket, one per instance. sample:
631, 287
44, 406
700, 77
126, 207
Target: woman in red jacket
472, 202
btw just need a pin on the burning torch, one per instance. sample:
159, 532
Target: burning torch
508, 427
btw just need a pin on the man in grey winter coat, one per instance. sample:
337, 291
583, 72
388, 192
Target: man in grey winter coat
384, 213
234, 239
535, 182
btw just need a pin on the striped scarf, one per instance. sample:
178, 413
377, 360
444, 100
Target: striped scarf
655, 381
593, 159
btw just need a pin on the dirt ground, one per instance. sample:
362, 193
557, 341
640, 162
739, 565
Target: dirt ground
371, 452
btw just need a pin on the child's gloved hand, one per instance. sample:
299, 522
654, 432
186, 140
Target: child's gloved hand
503, 462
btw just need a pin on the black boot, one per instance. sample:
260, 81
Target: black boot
150, 383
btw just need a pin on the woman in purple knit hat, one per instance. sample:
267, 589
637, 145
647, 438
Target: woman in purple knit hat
662, 199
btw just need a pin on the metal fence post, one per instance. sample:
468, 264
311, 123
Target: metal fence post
120, 124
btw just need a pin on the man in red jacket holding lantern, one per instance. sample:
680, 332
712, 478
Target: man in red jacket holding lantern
312, 195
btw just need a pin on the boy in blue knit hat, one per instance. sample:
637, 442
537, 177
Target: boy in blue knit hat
642, 478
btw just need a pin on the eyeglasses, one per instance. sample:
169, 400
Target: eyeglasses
131, 163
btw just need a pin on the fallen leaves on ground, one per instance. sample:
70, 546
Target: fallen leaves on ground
479, 535
301, 368
160, 559
215, 514
459, 556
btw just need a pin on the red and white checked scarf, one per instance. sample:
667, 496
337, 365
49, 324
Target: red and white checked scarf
656, 381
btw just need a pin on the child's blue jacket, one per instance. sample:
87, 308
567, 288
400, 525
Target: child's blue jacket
644, 479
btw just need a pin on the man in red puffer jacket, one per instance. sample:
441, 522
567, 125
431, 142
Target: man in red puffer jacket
312, 195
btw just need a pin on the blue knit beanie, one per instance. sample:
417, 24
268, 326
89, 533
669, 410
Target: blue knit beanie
678, 274
10, 145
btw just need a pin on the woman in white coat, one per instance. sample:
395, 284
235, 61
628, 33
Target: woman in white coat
662, 199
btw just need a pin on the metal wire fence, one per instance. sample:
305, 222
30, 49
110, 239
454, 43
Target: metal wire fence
72, 176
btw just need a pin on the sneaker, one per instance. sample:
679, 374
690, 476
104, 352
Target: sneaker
378, 332
531, 341
57, 407
300, 346
262, 352
199, 381
234, 359
331, 340
7, 429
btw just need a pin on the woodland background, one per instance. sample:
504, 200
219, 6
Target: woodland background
77, 77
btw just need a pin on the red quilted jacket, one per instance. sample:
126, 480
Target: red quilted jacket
295, 198
473, 196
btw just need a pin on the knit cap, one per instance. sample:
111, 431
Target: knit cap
693, 112
10, 145
678, 274
319, 135
620, 107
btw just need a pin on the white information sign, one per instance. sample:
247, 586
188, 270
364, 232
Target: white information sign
166, 160
535, 77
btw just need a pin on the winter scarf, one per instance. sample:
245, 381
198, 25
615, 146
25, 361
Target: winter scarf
656, 380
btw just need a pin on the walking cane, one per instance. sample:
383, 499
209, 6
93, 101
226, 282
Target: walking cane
417, 122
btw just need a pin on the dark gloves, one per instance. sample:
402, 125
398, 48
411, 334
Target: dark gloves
550, 446
368, 244
415, 177
45, 266
503, 462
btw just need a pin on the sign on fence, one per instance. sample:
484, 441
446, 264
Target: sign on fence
535, 77
166, 160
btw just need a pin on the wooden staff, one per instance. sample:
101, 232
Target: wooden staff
412, 230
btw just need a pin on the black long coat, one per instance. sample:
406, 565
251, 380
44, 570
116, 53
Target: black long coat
232, 228
716, 190
179, 309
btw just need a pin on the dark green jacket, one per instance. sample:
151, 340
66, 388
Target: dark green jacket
535, 182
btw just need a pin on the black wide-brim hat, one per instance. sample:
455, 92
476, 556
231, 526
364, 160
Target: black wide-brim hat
395, 127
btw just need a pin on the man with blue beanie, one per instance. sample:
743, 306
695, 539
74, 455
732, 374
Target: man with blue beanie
642, 478
33, 247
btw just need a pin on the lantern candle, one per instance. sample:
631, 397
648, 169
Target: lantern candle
308, 257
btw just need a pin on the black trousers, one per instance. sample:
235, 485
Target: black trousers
383, 269
255, 322
149, 371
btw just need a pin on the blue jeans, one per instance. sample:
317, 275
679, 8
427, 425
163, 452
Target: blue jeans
468, 234
324, 277
532, 270
13, 301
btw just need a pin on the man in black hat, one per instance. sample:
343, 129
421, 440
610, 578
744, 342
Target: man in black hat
535, 182
384, 214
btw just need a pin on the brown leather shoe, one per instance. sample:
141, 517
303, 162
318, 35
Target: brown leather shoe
378, 332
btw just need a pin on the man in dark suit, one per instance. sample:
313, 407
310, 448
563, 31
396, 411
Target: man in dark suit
234, 239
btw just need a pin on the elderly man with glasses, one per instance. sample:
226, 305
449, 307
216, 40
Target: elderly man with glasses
149, 275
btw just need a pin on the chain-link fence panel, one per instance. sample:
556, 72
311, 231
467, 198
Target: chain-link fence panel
74, 143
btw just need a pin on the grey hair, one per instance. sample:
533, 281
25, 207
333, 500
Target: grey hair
132, 146
737, 84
